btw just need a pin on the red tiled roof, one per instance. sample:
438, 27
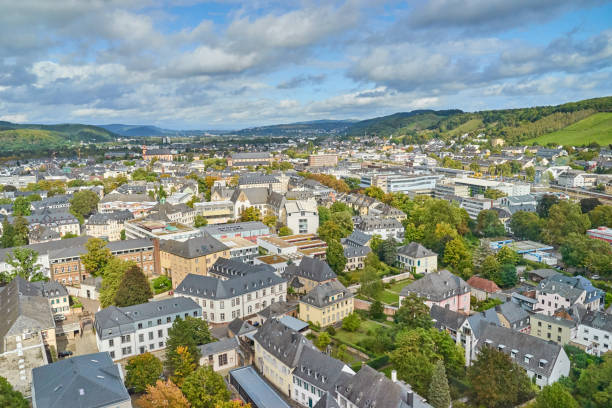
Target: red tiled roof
483, 284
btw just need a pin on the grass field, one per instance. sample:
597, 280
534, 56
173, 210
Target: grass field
469, 126
360, 334
595, 128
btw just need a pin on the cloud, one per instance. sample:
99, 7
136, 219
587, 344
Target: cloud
15, 118
302, 80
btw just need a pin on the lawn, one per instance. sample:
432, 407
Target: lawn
595, 128
388, 297
397, 286
355, 337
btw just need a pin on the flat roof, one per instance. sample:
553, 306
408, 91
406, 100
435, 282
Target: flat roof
259, 392
237, 242
276, 241
293, 323
522, 247
477, 182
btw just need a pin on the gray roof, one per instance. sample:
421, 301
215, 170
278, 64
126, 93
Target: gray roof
562, 289
255, 195
371, 222
415, 250
480, 320
277, 309
75, 251
105, 218
320, 295
213, 288
357, 237
524, 344
327, 401
46, 247
282, 342
219, 346
256, 178
239, 327
235, 228
90, 380
437, 286
251, 155
444, 318
319, 369
258, 391
194, 247
232, 268
113, 321
356, 251
312, 269
544, 273
293, 323
553, 319
514, 314
598, 320
128, 198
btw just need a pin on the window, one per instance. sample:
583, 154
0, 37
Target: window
140, 325
141, 338
151, 346
150, 335
125, 339
159, 333
161, 344
222, 359
159, 321
111, 343
168, 319
222, 304
112, 354
149, 323
222, 316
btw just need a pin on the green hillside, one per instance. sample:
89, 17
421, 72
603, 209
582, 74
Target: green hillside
595, 128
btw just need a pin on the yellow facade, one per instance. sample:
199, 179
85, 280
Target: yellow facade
273, 369
328, 315
177, 267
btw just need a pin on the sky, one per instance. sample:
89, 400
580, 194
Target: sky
186, 64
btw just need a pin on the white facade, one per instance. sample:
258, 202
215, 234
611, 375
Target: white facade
302, 216
596, 340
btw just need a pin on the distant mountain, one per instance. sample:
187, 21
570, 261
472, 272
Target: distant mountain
296, 129
152, 131
18, 139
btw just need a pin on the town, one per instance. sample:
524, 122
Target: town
307, 271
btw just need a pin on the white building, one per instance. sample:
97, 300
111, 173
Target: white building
301, 216
132, 330
595, 332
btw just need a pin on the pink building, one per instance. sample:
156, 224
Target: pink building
602, 233
441, 288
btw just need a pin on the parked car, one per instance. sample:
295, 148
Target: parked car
59, 317
65, 353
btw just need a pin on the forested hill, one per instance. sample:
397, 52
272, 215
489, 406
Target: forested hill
19, 139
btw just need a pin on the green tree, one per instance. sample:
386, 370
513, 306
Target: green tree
324, 214
589, 204
377, 310
322, 341
134, 288
508, 276
112, 275
284, 231
595, 383
387, 251
494, 194
530, 173
83, 204
563, 219
24, 263
141, 371
97, 256
526, 225
339, 206
335, 256
488, 224
122, 235
351, 322
330, 231
374, 192
21, 206
601, 216
375, 243
507, 256
8, 234
371, 283
184, 365
200, 221
269, 220
458, 256
413, 313
190, 333
9, 397
496, 381
22, 232
555, 395
491, 268
544, 205
344, 220
250, 214
439, 392
204, 388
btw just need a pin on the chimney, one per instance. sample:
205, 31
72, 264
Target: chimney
394, 375
410, 398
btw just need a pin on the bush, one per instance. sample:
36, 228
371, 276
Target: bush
379, 362
162, 284
331, 330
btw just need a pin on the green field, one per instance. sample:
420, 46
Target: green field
469, 126
359, 335
595, 128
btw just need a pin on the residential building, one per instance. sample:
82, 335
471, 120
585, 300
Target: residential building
441, 288
250, 230
195, 256
482, 288
107, 226
241, 249
355, 257
416, 258
357, 239
544, 360
308, 274
301, 216
128, 331
553, 328
159, 229
222, 355
322, 160
513, 316
384, 227
327, 304
138, 204
594, 298
595, 332
90, 380
253, 390
215, 212
59, 220
224, 268
179, 213
159, 154
250, 159
223, 300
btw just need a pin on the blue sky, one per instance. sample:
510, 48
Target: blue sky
230, 64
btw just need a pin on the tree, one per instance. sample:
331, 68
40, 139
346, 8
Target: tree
204, 388
284, 231
9, 397
387, 251
563, 219
330, 231
488, 224
507, 255
21, 206
490, 268
323, 341
458, 256
112, 275
134, 288
526, 225
24, 263
439, 392
494, 194
122, 235
97, 256
594, 383
339, 206
589, 204
374, 192
270, 220
232, 404
163, 394
544, 205
371, 284
508, 276
142, 371
377, 310
583, 252
184, 365
189, 333
496, 381
601, 216
344, 221
555, 395
324, 214
8, 234
375, 243
351, 322
250, 214
335, 256
200, 221
83, 204
22, 232
413, 313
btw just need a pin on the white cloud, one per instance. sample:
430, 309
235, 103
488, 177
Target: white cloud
15, 118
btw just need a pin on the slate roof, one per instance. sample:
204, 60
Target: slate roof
105, 218
90, 380
320, 295
219, 346
128, 198
256, 178
319, 369
240, 327
327, 401
524, 344
580, 282
515, 314
480, 320
598, 320
277, 309
194, 247
544, 273
283, 343
255, 195
251, 155
312, 269
357, 237
232, 268
445, 318
415, 250
437, 286
354, 252
208, 287
370, 223
257, 390
562, 289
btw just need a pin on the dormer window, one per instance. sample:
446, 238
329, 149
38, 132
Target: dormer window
528, 357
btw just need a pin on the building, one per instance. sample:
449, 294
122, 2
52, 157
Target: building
308, 274
215, 212
513, 316
357, 239
260, 180
107, 226
241, 249
602, 233
158, 154
412, 183
179, 213
250, 159
250, 230
482, 288
222, 355
225, 268
323, 160
223, 300
595, 332
448, 188
544, 360
137, 204
327, 304
384, 227
355, 257
415, 258
90, 380
552, 328
128, 331
253, 390
441, 288
195, 256
159, 229
301, 216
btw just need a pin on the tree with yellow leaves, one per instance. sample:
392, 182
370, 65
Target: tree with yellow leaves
184, 365
163, 394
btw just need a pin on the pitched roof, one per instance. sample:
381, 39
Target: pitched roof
312, 269
239, 327
219, 346
194, 247
437, 286
320, 296
90, 380
356, 251
483, 284
415, 250
598, 320
357, 237
282, 342
514, 313
208, 287
319, 369
444, 318
231, 268
255, 195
